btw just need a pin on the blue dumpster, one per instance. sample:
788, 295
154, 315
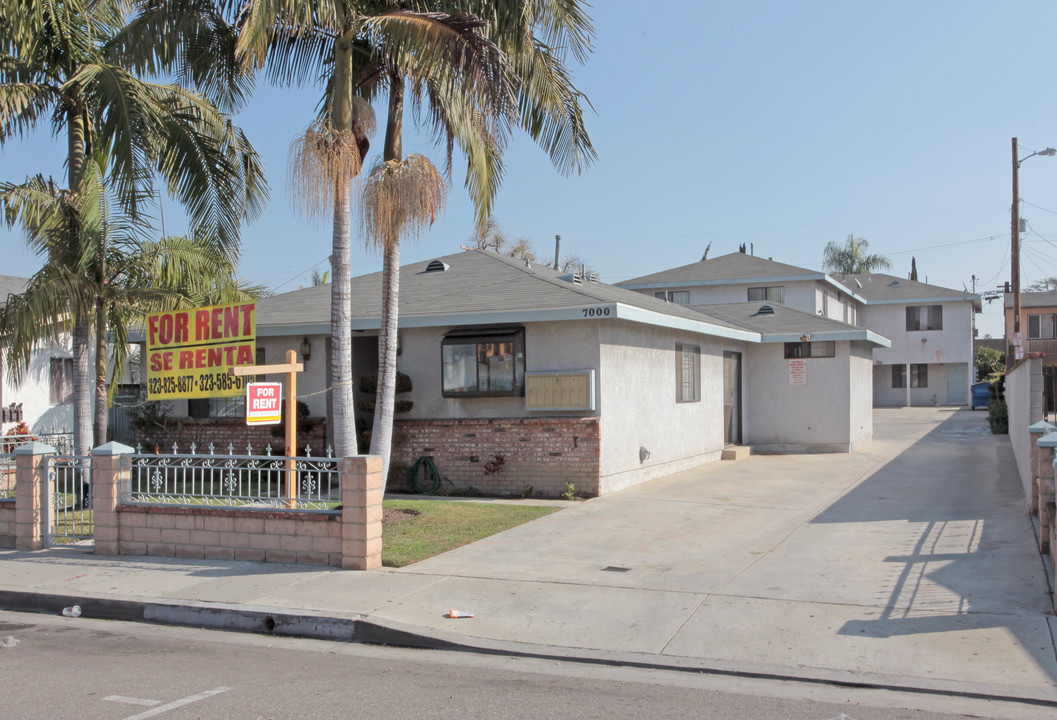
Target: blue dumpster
982, 394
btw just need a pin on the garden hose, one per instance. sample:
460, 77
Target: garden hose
425, 478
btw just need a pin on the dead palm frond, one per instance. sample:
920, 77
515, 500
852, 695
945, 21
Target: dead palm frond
401, 199
323, 156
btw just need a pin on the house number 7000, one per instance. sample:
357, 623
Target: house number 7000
596, 312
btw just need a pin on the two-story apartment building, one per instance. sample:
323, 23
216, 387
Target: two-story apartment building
931, 328
1038, 323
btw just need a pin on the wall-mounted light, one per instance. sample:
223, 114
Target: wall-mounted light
805, 338
306, 349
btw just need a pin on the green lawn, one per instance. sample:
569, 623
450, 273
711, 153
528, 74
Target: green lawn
443, 525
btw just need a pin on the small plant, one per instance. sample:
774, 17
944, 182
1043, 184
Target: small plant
570, 491
495, 465
998, 417
20, 433
528, 492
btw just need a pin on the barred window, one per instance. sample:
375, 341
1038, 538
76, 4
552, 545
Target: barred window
687, 373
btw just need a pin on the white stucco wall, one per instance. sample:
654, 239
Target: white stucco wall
34, 392
815, 417
801, 295
954, 343
639, 408
1024, 403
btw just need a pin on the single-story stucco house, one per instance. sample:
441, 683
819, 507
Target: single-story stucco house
569, 380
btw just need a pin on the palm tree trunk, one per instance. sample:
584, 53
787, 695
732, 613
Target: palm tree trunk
343, 400
82, 393
385, 402
385, 398
100, 422
344, 409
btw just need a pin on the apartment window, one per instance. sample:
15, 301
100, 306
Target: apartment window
223, 407
924, 317
919, 376
687, 373
61, 381
679, 297
487, 362
1040, 327
775, 293
821, 349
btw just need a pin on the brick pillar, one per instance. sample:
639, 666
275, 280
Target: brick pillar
361, 518
109, 476
31, 495
1039, 453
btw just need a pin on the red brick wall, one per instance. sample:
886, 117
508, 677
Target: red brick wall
221, 431
544, 453
253, 535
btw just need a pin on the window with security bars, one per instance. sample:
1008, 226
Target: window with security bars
817, 349
924, 317
919, 376
774, 293
687, 373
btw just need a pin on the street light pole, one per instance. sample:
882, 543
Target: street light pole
1014, 233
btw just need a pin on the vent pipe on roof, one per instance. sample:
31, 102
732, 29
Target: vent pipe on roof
557, 251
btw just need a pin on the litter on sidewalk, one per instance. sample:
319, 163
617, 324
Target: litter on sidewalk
460, 613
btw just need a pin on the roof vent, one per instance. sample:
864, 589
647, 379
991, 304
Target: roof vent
764, 310
894, 283
575, 278
593, 277
437, 266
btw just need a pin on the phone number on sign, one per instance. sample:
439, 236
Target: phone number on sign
192, 383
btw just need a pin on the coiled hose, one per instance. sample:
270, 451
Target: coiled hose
425, 478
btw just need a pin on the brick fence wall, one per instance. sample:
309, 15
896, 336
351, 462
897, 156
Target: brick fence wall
253, 535
544, 454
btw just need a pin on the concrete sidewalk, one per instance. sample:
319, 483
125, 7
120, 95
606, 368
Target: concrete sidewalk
911, 564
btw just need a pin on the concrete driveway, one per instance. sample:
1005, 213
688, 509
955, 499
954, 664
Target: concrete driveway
913, 560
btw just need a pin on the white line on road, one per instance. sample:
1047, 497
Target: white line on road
178, 703
132, 700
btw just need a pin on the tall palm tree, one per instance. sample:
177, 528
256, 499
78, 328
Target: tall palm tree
74, 63
851, 258
477, 67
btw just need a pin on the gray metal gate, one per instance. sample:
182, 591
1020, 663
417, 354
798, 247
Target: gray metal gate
69, 500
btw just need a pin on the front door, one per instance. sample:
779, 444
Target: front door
956, 384
732, 398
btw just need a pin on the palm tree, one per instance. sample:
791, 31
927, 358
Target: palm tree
76, 64
851, 258
477, 67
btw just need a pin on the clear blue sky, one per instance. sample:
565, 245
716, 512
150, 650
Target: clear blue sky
785, 125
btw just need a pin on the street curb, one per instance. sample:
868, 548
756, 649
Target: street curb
373, 631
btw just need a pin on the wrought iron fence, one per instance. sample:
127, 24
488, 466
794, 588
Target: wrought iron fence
70, 508
62, 441
7, 476
264, 481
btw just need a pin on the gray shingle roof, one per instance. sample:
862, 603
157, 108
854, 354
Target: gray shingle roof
880, 287
476, 282
11, 285
783, 320
1033, 299
734, 266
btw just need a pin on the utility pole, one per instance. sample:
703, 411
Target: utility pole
1014, 244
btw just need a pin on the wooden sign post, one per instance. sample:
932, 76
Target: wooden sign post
291, 367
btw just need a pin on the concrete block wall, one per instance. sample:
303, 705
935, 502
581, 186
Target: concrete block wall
542, 453
210, 533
